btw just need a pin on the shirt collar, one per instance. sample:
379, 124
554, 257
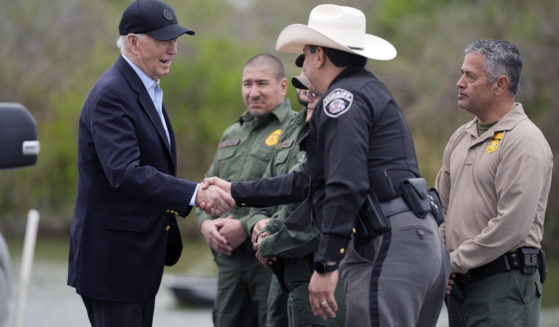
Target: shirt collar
281, 113
148, 81
506, 123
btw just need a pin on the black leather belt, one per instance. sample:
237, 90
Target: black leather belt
394, 206
522, 258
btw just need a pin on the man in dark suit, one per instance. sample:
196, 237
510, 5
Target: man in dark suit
124, 228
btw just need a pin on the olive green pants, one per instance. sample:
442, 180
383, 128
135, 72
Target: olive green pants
296, 276
277, 305
507, 299
300, 312
242, 289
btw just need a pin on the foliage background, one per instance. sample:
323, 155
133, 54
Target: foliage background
53, 51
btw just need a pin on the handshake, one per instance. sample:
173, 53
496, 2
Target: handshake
214, 196
223, 234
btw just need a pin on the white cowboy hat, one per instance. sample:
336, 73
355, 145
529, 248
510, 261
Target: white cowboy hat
337, 27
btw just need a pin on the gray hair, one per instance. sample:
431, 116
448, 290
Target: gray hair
121, 42
501, 58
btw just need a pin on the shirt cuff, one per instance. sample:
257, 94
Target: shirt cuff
193, 199
331, 248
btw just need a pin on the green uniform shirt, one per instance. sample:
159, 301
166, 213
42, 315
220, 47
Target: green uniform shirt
282, 242
244, 151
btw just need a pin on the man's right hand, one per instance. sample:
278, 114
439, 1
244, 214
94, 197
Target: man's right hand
210, 229
451, 282
213, 200
221, 183
258, 228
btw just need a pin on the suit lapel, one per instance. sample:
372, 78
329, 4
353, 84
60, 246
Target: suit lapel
147, 105
149, 109
172, 137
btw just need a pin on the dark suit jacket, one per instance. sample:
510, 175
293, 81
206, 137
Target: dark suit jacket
127, 192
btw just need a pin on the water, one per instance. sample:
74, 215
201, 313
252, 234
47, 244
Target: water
51, 303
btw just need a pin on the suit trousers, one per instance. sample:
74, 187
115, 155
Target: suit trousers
103, 313
398, 278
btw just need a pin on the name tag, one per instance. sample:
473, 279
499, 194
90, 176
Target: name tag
228, 143
284, 144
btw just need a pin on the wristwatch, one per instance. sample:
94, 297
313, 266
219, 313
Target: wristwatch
322, 267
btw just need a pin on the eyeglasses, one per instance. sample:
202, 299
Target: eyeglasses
312, 95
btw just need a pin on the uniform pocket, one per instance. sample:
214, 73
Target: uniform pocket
281, 156
126, 223
539, 288
528, 286
225, 153
419, 232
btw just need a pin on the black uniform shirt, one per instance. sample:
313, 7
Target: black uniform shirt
357, 134
357, 140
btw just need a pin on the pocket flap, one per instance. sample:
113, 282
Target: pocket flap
419, 185
126, 223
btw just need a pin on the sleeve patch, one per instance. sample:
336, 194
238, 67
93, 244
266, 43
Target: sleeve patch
337, 102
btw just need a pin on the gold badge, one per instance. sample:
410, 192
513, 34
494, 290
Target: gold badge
273, 138
494, 144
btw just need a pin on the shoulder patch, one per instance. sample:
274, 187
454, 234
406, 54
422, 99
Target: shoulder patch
337, 102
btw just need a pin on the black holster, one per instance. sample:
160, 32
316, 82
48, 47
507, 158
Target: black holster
421, 200
277, 269
372, 221
542, 268
416, 196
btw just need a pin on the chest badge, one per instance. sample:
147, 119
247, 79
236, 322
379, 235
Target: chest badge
273, 138
337, 102
494, 144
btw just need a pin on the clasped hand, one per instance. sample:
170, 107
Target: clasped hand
213, 199
222, 234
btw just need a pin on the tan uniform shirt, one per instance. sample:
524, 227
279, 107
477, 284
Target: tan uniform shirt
494, 189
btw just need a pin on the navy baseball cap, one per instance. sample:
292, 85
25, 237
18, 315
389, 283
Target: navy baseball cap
152, 17
300, 82
299, 61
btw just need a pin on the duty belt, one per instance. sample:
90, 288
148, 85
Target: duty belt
394, 206
526, 259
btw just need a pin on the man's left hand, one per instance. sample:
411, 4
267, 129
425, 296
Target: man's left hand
266, 262
321, 294
258, 228
233, 231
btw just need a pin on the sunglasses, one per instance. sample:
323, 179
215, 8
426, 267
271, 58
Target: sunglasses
312, 95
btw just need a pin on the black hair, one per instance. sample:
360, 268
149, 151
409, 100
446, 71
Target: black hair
341, 58
265, 59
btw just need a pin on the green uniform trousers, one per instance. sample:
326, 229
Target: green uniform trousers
300, 312
507, 299
277, 305
242, 290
